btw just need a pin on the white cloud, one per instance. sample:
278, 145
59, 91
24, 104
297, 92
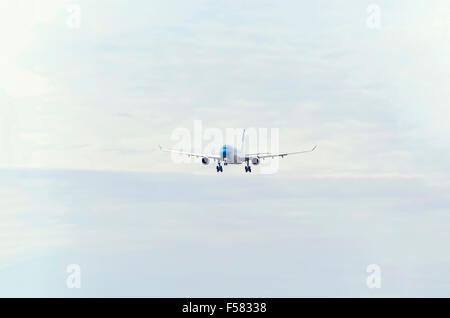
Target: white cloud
19, 21
365, 98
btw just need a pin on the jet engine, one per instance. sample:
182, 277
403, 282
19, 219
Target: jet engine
205, 160
255, 161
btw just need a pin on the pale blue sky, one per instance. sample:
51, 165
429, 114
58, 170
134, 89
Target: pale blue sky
83, 111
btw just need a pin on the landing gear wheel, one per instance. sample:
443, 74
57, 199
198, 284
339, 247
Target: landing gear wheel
217, 168
246, 169
221, 168
249, 169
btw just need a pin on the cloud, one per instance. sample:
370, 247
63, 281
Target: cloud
147, 231
372, 101
18, 29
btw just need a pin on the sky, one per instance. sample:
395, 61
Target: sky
85, 106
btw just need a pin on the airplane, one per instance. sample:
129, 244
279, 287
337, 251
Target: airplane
231, 155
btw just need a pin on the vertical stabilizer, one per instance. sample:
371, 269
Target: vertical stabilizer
243, 141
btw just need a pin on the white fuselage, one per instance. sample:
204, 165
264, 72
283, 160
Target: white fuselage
231, 155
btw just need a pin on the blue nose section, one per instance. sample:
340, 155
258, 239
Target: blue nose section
224, 151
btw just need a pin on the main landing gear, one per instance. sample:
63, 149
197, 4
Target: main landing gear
219, 168
248, 168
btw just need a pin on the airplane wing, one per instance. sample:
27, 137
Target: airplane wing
273, 155
256, 154
190, 154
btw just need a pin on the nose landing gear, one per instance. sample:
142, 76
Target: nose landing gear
219, 168
248, 168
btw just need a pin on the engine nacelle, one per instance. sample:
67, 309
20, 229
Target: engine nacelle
205, 160
255, 161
